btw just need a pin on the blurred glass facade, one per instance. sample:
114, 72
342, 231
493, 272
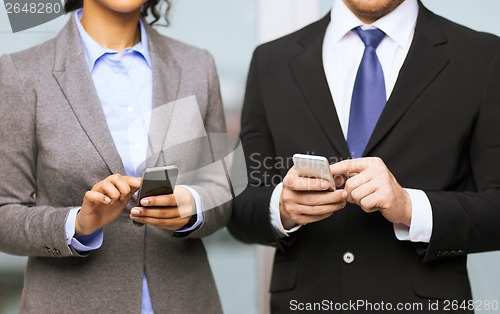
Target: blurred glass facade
230, 31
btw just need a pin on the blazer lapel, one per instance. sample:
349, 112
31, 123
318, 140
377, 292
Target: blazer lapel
307, 69
423, 64
166, 84
73, 76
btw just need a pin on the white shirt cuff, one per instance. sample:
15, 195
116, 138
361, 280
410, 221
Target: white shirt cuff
199, 210
420, 229
274, 208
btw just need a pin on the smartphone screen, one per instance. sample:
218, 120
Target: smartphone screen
157, 181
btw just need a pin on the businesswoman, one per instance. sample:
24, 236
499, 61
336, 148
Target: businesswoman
71, 153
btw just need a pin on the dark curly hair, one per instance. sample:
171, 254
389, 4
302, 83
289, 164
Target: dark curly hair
150, 7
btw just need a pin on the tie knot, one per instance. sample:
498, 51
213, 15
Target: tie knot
370, 37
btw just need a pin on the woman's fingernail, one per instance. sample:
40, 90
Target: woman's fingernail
324, 184
135, 212
145, 202
107, 199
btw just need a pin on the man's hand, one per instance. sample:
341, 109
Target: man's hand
373, 187
104, 203
307, 200
170, 212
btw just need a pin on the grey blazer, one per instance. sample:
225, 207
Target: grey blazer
56, 145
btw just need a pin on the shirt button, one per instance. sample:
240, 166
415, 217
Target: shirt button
348, 257
130, 109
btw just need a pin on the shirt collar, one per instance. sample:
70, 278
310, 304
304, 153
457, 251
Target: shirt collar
93, 51
399, 25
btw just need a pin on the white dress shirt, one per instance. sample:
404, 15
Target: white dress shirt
342, 53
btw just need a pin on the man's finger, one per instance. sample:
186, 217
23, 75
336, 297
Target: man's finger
370, 203
297, 183
354, 166
319, 198
359, 193
357, 181
320, 210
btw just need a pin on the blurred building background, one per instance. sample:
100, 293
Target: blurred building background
230, 30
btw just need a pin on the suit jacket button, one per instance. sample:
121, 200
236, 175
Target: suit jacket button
348, 257
57, 252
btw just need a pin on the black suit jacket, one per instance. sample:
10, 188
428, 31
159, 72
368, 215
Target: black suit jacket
439, 132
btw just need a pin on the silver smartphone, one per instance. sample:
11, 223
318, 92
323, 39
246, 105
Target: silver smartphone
312, 166
157, 181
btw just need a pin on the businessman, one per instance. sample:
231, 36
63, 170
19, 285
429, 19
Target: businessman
406, 105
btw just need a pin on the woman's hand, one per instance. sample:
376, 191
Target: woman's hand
170, 212
104, 203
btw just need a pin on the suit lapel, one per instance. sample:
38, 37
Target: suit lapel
308, 72
423, 64
73, 76
166, 84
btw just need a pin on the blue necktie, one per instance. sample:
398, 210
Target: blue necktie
368, 96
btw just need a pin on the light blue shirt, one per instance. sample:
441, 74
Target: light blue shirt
124, 85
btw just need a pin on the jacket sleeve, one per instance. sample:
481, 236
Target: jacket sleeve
251, 222
212, 183
469, 222
25, 228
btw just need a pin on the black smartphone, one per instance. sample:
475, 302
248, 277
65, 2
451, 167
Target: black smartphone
157, 181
